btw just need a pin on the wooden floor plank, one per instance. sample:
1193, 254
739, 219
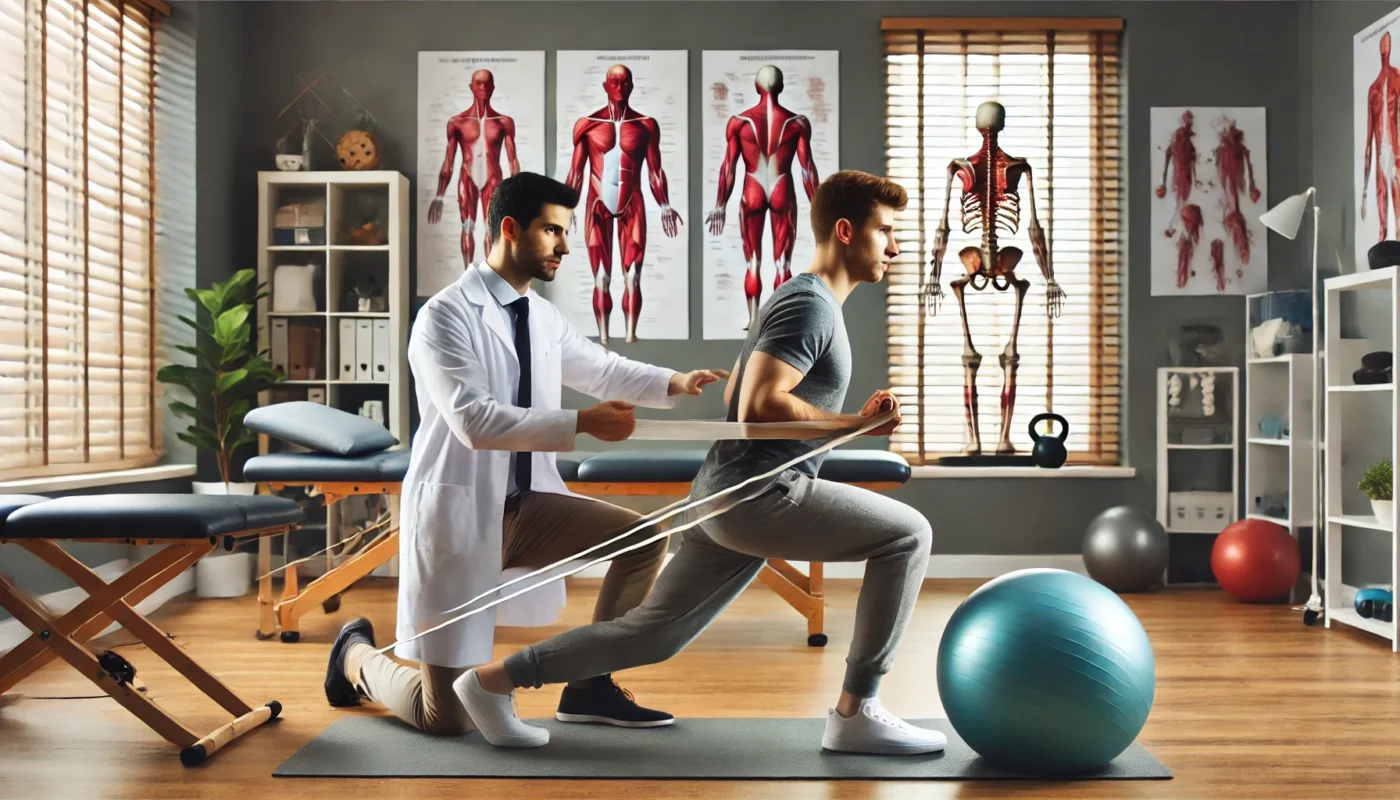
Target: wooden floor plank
1249, 704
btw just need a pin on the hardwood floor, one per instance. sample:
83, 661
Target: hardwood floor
1249, 704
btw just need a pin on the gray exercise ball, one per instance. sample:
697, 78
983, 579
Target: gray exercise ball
1125, 549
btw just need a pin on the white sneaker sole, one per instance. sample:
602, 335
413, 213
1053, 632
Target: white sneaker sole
882, 749
562, 717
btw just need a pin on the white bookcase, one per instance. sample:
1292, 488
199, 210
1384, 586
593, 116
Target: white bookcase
1278, 469
1198, 460
320, 236
1361, 429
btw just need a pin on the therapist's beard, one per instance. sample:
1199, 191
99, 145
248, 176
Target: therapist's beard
543, 271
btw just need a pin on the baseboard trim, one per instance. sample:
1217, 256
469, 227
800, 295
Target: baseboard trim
13, 633
942, 567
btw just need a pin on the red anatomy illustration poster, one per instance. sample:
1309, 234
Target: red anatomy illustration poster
621, 139
771, 127
1209, 175
480, 119
1375, 109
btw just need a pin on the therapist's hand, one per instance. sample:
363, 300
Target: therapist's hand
694, 382
611, 421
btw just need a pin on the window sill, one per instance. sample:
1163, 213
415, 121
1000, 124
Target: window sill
65, 483
934, 471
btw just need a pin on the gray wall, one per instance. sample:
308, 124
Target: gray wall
1176, 54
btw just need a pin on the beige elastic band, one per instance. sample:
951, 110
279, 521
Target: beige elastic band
683, 430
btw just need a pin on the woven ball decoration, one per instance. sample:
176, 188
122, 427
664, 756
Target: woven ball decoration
358, 150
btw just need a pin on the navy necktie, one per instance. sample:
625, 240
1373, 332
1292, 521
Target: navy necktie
522, 394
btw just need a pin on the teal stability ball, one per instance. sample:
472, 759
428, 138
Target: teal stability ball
1046, 671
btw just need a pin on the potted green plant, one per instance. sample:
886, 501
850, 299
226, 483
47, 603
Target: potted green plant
226, 377
1376, 483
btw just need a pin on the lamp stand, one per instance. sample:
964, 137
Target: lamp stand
1312, 609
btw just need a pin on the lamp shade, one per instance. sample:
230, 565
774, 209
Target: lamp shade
1285, 217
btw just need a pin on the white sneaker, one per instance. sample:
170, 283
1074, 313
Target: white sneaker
494, 715
872, 729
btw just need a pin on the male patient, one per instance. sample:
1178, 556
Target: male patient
795, 365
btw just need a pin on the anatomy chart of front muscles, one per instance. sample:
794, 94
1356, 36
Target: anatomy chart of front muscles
1375, 109
480, 120
1208, 184
621, 141
771, 131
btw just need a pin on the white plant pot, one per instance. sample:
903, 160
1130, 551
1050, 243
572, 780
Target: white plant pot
223, 574
1385, 512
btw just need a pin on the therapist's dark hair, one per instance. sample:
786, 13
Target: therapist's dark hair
522, 197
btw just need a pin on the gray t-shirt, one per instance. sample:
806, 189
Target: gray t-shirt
801, 324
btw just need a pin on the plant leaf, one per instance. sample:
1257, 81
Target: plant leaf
227, 326
231, 379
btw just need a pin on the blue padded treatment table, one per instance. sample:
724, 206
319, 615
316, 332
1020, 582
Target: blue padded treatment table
190, 527
352, 455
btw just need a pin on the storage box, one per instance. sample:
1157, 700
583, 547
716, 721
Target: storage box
1207, 512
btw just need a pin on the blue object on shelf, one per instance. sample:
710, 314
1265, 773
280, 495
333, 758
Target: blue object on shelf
1375, 603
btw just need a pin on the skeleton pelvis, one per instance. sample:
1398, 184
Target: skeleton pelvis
1006, 261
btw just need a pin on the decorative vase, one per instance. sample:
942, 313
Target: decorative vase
1385, 511
223, 574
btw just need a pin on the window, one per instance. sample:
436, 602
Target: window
1059, 83
77, 233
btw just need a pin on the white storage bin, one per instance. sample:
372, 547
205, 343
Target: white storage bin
1199, 511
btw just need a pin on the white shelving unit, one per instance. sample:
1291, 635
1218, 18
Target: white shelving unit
1278, 478
1361, 429
1197, 441
336, 203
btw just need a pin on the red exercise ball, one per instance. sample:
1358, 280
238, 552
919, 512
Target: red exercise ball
1255, 561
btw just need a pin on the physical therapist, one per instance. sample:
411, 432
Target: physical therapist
482, 493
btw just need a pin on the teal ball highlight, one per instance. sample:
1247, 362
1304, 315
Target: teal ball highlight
1046, 671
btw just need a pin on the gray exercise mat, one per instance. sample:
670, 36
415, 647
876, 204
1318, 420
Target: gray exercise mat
724, 749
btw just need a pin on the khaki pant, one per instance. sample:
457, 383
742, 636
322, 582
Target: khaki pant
540, 528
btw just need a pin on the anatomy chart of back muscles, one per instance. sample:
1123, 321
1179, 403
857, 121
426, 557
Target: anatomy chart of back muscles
1375, 108
621, 141
480, 119
1209, 172
770, 135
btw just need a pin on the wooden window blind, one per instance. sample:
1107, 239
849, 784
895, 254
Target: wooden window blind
77, 231
1059, 82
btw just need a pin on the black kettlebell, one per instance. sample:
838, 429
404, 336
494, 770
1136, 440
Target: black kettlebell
1049, 451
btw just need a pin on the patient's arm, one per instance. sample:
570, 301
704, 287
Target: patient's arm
766, 394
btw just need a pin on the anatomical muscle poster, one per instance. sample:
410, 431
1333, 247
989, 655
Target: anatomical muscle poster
481, 118
1375, 105
771, 132
621, 141
1209, 174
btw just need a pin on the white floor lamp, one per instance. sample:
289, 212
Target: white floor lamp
1284, 220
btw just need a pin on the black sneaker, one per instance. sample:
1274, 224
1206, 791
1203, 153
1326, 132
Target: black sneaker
339, 690
604, 701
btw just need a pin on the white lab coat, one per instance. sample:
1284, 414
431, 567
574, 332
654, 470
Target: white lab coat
462, 354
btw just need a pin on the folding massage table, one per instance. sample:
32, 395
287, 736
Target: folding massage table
352, 455
188, 527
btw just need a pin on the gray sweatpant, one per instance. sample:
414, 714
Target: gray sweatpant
798, 519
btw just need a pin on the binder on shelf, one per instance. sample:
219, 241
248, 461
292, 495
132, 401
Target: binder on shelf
279, 345
316, 395
364, 350
347, 349
380, 361
304, 353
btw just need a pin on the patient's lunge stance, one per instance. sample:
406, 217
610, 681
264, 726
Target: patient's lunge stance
795, 365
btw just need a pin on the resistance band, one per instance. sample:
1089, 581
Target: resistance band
674, 430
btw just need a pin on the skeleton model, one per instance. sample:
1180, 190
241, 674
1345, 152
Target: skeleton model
991, 204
